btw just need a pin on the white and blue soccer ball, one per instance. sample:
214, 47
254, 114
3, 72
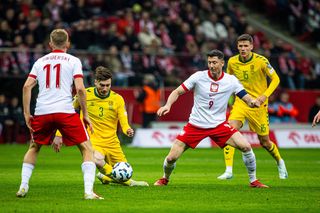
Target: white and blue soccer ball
122, 171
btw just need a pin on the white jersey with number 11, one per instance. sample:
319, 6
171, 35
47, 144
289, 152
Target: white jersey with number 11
55, 73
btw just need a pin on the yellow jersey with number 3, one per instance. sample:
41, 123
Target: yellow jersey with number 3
253, 76
105, 113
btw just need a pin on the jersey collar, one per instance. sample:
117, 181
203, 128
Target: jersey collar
99, 96
249, 59
210, 76
57, 51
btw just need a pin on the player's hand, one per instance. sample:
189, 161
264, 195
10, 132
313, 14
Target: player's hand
28, 119
130, 132
87, 123
254, 104
316, 119
163, 110
57, 143
261, 99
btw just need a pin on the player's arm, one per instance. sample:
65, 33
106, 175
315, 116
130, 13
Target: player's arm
82, 98
316, 119
275, 80
248, 99
26, 98
174, 95
76, 103
123, 119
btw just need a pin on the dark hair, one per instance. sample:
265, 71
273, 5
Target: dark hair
103, 73
216, 53
245, 37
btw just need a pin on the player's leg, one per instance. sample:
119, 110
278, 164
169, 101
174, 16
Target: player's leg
104, 167
74, 133
178, 147
116, 155
260, 125
238, 141
88, 169
228, 152
28, 165
272, 148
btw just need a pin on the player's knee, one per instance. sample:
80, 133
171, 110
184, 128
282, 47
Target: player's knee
265, 143
171, 159
98, 159
34, 146
245, 148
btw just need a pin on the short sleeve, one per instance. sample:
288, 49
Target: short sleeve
191, 81
77, 70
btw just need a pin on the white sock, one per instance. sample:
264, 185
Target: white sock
26, 173
249, 160
229, 169
168, 168
89, 171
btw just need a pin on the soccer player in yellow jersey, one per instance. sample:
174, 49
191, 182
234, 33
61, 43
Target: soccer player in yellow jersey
252, 71
105, 109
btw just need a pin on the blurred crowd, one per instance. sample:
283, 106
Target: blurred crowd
300, 17
167, 38
12, 124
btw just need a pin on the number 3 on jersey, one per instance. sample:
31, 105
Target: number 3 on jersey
47, 69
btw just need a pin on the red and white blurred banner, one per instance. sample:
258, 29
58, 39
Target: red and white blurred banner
161, 138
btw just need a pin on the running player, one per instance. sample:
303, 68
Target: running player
252, 71
212, 89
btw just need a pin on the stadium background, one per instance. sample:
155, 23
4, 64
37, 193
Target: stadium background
168, 39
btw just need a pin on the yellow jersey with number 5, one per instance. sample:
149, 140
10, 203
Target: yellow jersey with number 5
253, 75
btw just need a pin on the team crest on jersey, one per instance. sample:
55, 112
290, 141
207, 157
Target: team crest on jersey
214, 87
91, 103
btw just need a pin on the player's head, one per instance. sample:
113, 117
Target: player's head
103, 80
59, 39
215, 61
245, 45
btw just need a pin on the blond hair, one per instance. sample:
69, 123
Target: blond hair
59, 38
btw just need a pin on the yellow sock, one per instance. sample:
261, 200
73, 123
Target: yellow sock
274, 152
228, 155
107, 179
126, 183
106, 169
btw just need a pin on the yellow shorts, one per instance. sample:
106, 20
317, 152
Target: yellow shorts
258, 118
112, 154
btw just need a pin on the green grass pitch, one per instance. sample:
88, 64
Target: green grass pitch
57, 185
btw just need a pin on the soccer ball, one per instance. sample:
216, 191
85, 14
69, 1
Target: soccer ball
122, 171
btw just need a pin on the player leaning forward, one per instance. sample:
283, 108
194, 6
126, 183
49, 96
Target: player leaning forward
212, 89
55, 73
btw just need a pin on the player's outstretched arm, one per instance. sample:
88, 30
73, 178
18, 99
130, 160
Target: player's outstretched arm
316, 119
174, 95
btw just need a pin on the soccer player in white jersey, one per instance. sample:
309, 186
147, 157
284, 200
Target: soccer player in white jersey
55, 73
212, 89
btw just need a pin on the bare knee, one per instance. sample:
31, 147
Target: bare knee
86, 151
245, 148
171, 159
265, 141
98, 159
